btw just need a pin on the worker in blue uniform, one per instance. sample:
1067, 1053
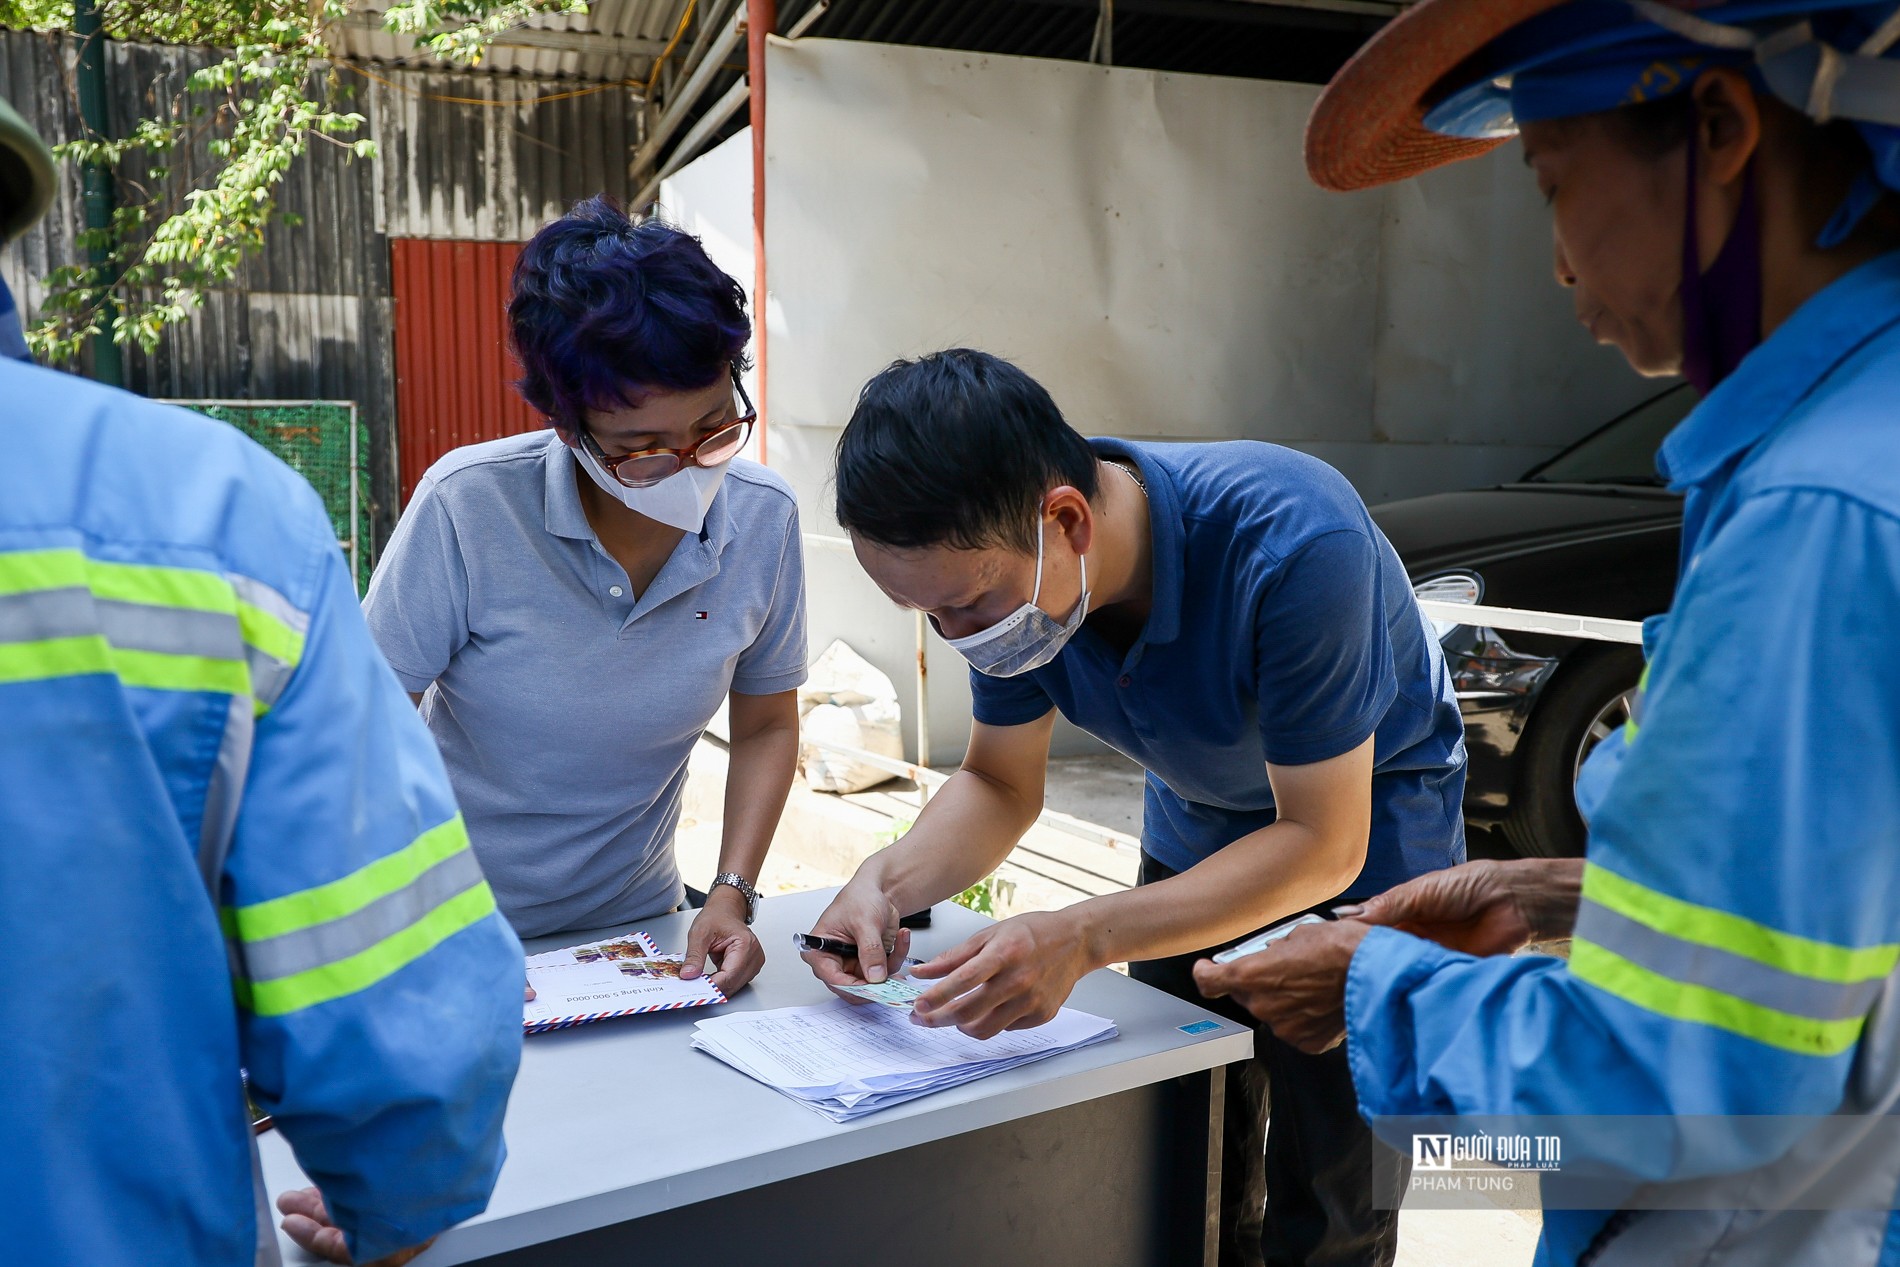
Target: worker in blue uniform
226, 842
1722, 178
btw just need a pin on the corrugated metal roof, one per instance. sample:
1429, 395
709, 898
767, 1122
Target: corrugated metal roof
618, 39
1301, 40
614, 40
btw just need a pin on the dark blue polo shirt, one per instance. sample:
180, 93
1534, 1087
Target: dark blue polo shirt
1283, 630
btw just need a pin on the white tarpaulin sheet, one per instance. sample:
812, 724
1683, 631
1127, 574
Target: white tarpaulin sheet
1148, 246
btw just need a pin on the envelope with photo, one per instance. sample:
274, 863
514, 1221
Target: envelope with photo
597, 981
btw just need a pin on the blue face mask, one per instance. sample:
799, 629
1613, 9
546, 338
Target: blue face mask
1028, 637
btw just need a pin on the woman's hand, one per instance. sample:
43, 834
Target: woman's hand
720, 933
863, 915
1482, 908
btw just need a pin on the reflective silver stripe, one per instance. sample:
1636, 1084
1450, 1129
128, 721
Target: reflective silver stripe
37, 614
264, 598
33, 615
336, 939
1697, 964
172, 630
269, 675
224, 793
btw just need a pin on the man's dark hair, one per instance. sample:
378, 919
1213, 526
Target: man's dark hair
955, 449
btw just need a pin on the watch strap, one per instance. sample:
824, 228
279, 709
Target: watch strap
745, 888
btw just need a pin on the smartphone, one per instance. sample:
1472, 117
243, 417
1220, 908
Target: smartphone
1260, 941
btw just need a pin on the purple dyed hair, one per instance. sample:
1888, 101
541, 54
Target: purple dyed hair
605, 311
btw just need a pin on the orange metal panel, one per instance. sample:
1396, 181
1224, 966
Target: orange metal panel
454, 373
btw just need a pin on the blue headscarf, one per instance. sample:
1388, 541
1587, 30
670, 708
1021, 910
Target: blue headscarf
1827, 60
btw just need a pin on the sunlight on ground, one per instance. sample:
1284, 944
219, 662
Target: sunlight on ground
1467, 1238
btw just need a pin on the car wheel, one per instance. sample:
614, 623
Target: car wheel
1587, 699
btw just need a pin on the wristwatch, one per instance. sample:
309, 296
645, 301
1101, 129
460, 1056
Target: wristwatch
744, 886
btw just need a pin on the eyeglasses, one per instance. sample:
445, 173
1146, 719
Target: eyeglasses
647, 467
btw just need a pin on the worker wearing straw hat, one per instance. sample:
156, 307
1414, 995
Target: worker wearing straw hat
1718, 1060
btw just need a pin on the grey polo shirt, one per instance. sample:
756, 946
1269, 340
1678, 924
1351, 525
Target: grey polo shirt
566, 709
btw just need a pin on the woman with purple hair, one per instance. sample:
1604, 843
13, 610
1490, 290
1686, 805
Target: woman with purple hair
571, 607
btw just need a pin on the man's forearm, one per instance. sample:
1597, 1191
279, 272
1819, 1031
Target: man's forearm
967, 829
1259, 879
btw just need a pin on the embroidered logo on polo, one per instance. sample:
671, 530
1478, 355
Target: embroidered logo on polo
700, 615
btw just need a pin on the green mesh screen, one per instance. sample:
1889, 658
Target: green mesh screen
313, 438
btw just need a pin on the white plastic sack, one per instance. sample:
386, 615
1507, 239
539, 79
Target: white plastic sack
847, 701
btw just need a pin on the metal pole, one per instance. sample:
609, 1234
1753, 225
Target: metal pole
1102, 46
356, 528
108, 364
761, 20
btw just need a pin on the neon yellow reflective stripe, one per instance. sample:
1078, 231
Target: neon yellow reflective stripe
54, 657
1724, 930
1630, 728
191, 588
354, 891
24, 570
161, 586
269, 634
91, 653
158, 671
1682, 1001
367, 967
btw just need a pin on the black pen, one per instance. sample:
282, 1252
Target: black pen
825, 945
830, 945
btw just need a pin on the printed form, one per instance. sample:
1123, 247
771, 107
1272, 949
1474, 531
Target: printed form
845, 1060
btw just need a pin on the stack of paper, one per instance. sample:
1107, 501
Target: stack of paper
621, 977
846, 1060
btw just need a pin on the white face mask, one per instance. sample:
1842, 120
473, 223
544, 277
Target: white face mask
1028, 637
681, 500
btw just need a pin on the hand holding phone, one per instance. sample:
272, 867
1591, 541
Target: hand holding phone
1260, 941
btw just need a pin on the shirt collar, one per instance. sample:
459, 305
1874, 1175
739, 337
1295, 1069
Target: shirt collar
1167, 537
567, 518
1750, 403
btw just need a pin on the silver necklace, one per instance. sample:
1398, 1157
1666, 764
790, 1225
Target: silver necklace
1134, 475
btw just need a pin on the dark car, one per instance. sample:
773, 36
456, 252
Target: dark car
1591, 532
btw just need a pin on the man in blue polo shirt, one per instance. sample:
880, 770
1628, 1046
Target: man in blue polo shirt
1229, 616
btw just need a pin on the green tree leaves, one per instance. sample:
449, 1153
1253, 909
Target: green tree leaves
182, 227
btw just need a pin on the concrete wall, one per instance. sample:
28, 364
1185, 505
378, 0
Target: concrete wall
1148, 246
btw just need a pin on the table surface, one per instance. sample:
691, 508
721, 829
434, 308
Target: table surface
620, 1119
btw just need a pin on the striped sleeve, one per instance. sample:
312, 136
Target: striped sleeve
64, 613
332, 940
1741, 899
1706, 966
380, 990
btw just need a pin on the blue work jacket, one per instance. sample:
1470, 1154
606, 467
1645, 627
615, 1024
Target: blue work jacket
226, 841
1741, 899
